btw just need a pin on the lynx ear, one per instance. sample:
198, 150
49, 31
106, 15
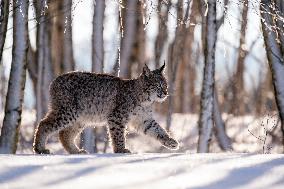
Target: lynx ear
161, 69
146, 70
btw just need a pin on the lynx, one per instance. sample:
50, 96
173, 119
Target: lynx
82, 99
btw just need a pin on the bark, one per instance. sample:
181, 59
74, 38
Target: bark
274, 55
238, 105
57, 32
89, 136
162, 36
68, 58
137, 58
187, 68
2, 87
98, 44
174, 59
219, 127
15, 94
60, 16
44, 68
4, 14
128, 30
207, 93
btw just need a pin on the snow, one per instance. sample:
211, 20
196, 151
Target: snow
168, 170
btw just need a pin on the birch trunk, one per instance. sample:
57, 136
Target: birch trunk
4, 14
15, 94
207, 93
274, 55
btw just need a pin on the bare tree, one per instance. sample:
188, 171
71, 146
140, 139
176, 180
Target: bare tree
68, 57
4, 14
219, 127
98, 45
174, 58
15, 94
186, 89
272, 32
60, 20
88, 140
44, 68
207, 93
128, 29
238, 105
163, 9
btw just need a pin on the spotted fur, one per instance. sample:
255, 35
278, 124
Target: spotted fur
81, 99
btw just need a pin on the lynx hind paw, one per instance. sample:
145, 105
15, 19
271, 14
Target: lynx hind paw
123, 151
171, 144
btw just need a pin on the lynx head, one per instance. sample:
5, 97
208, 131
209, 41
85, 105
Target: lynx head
155, 84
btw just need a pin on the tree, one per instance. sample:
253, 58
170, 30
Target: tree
128, 28
4, 14
175, 56
89, 134
97, 37
15, 94
272, 33
238, 105
43, 59
207, 94
68, 57
163, 9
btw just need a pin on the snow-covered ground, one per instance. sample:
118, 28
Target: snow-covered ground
247, 134
136, 171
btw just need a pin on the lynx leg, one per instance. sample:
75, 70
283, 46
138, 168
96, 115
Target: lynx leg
53, 122
153, 129
117, 135
67, 137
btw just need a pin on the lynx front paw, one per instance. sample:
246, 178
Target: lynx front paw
171, 144
82, 151
123, 151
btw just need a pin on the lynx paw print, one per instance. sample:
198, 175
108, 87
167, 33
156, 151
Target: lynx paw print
171, 144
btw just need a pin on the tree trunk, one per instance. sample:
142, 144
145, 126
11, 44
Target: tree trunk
274, 54
175, 54
60, 16
187, 102
15, 94
128, 30
137, 58
238, 105
219, 127
88, 136
98, 44
207, 93
44, 68
68, 58
4, 14
162, 36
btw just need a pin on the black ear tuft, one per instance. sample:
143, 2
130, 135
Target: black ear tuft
161, 69
146, 70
